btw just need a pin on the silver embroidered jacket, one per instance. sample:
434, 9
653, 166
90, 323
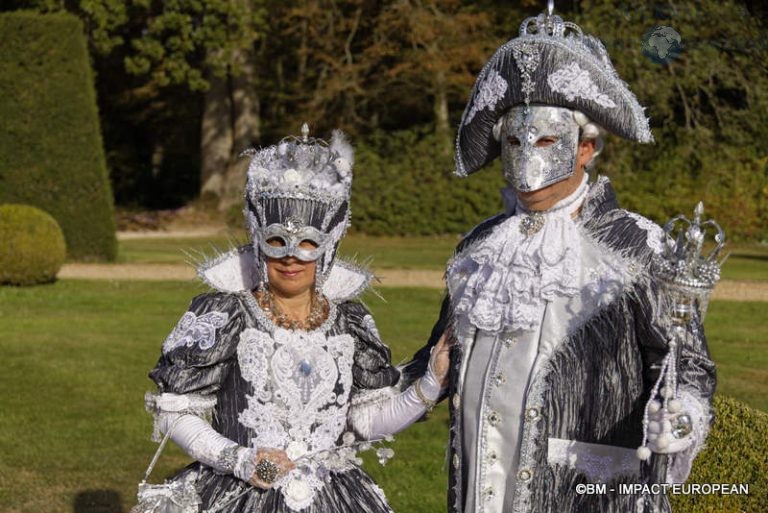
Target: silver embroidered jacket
581, 417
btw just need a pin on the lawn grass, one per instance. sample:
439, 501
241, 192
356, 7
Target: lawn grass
744, 263
76, 354
383, 252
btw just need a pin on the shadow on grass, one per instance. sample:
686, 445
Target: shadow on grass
98, 501
749, 256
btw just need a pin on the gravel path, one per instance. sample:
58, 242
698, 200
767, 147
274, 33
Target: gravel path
202, 233
727, 289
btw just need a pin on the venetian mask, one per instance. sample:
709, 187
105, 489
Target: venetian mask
291, 234
538, 146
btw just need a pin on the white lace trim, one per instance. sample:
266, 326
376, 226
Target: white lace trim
376, 395
179, 496
364, 404
179, 403
301, 382
655, 235
488, 95
159, 405
574, 82
599, 463
504, 282
191, 330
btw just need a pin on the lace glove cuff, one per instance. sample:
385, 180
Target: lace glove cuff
245, 465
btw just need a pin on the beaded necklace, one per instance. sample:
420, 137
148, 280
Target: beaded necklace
318, 311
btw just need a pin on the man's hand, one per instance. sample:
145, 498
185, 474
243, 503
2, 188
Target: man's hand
270, 461
669, 432
440, 361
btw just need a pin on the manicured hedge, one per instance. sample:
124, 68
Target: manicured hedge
404, 185
32, 247
51, 154
735, 454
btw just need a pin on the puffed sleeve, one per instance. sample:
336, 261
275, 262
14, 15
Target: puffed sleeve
196, 357
200, 350
372, 366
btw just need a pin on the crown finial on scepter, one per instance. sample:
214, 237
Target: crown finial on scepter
550, 7
305, 132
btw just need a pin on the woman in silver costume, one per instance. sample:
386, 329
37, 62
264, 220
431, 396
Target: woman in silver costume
271, 381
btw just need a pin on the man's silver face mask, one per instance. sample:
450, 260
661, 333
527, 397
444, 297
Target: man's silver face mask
290, 236
538, 146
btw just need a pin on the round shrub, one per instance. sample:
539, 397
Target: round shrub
32, 247
735, 453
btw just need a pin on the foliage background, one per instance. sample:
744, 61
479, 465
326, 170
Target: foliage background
185, 86
51, 152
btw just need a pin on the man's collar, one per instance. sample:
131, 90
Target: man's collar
600, 199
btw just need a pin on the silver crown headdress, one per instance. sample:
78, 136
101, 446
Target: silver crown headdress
551, 62
300, 185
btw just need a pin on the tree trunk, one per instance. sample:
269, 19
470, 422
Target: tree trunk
246, 129
440, 109
216, 137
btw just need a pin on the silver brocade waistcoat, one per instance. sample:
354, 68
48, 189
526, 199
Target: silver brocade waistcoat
500, 371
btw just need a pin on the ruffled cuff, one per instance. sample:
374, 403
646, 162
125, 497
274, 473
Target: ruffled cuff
679, 464
163, 404
244, 466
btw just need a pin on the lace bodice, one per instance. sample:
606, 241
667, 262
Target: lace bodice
278, 388
301, 382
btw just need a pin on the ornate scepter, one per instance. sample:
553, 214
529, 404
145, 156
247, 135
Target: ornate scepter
687, 275
687, 278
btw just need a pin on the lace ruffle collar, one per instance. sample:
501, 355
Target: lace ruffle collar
235, 271
504, 281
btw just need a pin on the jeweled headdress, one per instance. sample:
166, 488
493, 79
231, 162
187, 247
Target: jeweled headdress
299, 190
551, 62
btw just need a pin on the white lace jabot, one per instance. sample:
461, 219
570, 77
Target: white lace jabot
504, 281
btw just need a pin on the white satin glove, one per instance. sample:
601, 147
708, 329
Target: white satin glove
670, 431
200, 441
388, 415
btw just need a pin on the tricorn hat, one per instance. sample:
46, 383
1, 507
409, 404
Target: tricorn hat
551, 62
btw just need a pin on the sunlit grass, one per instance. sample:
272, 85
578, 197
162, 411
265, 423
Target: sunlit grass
380, 252
744, 263
76, 355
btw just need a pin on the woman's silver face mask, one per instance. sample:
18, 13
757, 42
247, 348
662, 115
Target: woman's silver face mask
291, 234
528, 161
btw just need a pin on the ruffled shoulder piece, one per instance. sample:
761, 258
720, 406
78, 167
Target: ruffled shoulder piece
236, 271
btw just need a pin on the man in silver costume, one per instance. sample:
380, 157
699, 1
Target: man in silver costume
560, 336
